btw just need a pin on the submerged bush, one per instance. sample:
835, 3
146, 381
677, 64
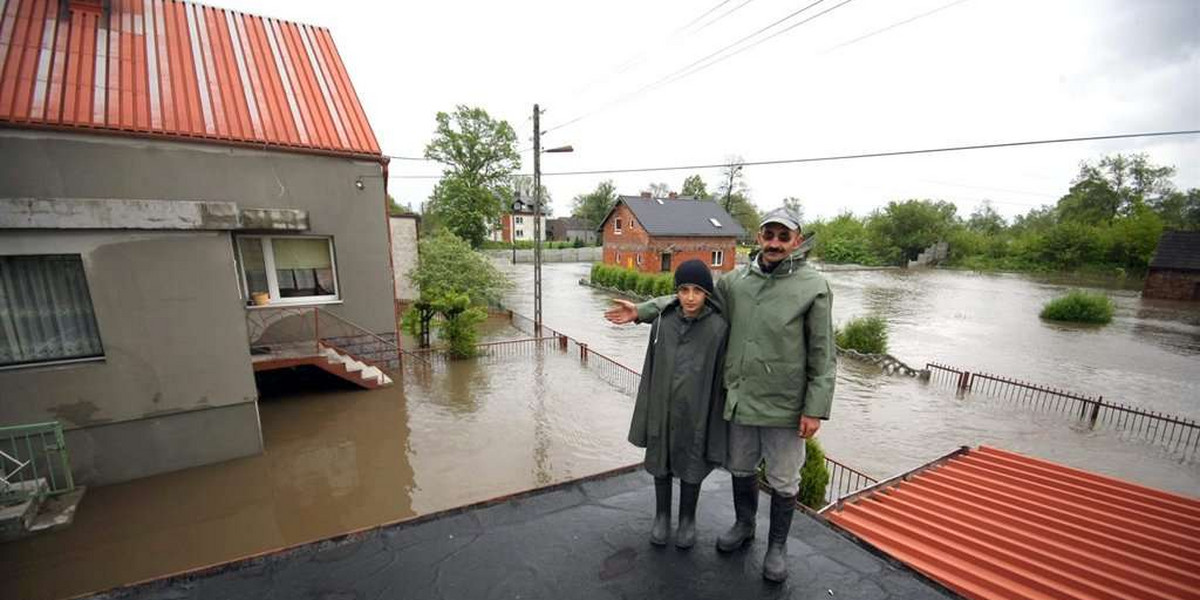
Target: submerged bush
864, 334
1079, 306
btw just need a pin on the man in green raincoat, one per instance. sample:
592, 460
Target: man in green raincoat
780, 366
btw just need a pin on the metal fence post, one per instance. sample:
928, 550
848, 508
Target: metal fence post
583, 353
1095, 413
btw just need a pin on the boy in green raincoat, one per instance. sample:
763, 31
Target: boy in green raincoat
679, 414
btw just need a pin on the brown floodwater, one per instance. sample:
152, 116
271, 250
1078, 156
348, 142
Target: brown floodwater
1148, 356
339, 459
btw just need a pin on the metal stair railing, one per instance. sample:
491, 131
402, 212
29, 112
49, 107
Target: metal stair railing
29, 453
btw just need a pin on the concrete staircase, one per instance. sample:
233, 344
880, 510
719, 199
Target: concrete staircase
352, 369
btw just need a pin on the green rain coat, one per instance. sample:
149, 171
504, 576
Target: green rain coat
678, 417
782, 360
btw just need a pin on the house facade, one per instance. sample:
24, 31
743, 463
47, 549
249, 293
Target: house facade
1175, 269
656, 235
177, 183
569, 229
517, 226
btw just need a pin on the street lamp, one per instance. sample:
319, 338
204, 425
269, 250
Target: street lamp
537, 217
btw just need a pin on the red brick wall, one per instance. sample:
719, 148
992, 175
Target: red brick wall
1172, 285
633, 242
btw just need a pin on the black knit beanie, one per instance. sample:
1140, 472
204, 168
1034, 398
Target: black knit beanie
694, 272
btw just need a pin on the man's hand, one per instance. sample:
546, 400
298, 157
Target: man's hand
621, 312
809, 426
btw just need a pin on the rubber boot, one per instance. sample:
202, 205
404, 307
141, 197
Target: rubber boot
689, 494
783, 508
745, 509
662, 511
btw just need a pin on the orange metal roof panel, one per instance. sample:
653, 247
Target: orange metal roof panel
178, 69
994, 525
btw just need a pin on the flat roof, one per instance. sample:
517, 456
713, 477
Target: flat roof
582, 539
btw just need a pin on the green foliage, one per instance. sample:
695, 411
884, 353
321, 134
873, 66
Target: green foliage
814, 475
694, 187
864, 334
646, 284
594, 206
843, 239
395, 209
458, 325
665, 285
447, 265
903, 229
479, 155
632, 280
1079, 306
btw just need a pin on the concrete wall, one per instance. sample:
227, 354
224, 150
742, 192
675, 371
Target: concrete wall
404, 255
174, 337
557, 255
634, 248
175, 388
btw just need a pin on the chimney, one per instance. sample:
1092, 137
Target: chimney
647, 195
672, 195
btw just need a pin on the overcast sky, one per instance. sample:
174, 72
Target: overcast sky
978, 71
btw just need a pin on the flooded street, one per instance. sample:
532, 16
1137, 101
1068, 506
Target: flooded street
339, 459
1148, 356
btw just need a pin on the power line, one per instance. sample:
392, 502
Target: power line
885, 154
687, 70
893, 26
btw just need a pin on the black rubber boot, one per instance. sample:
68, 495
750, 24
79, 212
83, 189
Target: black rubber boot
745, 508
689, 494
662, 511
783, 508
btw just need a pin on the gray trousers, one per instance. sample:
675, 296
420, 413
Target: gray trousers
781, 446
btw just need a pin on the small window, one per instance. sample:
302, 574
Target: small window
520, 233
46, 310
639, 260
287, 269
520, 220
617, 226
715, 223
718, 258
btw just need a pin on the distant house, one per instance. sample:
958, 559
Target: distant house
185, 191
569, 229
1175, 268
657, 234
517, 226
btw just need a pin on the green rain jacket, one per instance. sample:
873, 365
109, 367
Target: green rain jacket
679, 414
781, 360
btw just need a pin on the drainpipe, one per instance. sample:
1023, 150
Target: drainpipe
387, 220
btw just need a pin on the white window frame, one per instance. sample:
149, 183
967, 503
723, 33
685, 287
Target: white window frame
639, 259
718, 258
617, 225
273, 278
520, 220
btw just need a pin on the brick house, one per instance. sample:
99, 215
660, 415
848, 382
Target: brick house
1175, 268
656, 235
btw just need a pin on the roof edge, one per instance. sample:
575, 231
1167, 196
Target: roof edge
895, 479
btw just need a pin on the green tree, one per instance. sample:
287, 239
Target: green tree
658, 190
1179, 210
795, 206
694, 187
986, 220
903, 229
479, 155
1116, 185
594, 206
454, 281
395, 209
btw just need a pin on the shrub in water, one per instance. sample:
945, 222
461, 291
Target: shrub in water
666, 285
1079, 306
594, 276
646, 284
629, 280
864, 334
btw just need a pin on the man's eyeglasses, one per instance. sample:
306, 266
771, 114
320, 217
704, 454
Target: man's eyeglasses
769, 235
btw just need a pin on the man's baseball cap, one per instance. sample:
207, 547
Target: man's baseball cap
782, 216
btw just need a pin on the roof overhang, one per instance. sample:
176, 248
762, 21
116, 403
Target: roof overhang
122, 213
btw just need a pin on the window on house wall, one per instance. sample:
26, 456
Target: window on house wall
46, 310
520, 220
639, 260
616, 225
520, 233
718, 258
289, 270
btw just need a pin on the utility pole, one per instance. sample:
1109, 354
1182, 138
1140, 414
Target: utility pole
537, 222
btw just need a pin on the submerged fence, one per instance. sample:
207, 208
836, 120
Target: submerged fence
33, 461
1176, 434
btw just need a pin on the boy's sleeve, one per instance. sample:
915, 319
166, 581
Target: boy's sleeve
649, 310
821, 369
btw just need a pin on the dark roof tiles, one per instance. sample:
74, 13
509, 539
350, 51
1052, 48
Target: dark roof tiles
1178, 250
681, 217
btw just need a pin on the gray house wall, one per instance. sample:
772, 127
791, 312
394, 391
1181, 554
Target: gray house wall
175, 387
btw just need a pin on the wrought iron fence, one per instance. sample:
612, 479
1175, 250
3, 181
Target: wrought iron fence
1177, 435
33, 460
844, 480
282, 330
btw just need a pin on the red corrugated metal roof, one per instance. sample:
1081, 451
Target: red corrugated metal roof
991, 524
169, 68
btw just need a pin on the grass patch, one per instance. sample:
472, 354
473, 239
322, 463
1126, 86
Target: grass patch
864, 334
1079, 306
